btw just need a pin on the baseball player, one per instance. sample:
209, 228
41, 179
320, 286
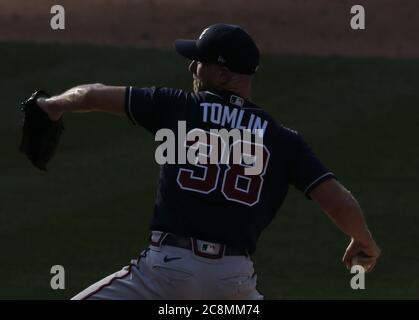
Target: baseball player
208, 217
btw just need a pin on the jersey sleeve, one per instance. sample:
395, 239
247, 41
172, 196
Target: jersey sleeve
306, 171
152, 107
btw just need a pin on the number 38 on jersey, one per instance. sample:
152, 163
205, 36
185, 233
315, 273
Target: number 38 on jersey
229, 174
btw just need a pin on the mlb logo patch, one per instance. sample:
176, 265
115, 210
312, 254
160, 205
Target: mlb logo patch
208, 247
238, 101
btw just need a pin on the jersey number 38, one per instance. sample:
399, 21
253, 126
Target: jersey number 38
236, 185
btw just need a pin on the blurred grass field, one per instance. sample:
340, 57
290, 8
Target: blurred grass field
90, 211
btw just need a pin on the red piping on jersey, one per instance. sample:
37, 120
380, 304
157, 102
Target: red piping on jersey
107, 284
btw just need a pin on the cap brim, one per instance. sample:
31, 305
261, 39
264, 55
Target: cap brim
188, 49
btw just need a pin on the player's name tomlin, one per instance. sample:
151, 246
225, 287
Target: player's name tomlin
235, 118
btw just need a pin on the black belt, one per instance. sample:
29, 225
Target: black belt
188, 243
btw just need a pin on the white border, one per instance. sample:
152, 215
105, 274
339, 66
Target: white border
129, 106
321, 177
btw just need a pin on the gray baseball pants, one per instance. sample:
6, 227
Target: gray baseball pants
173, 273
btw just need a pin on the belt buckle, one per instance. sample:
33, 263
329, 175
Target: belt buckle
207, 249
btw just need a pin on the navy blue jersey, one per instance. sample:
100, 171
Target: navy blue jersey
219, 203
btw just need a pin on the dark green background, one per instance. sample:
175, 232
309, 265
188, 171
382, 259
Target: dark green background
90, 211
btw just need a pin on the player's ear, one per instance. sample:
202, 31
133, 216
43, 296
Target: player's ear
192, 66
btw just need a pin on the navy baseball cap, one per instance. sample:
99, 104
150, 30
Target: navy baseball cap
224, 44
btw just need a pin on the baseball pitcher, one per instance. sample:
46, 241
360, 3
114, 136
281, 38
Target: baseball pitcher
208, 216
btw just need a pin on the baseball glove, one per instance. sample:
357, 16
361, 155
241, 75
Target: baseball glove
40, 135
